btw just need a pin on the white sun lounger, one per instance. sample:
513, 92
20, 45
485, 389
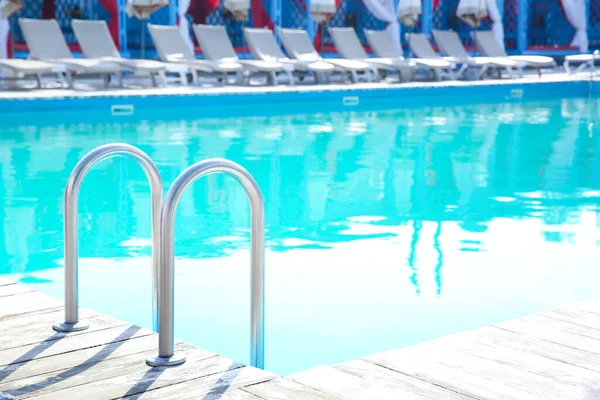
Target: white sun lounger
384, 47
264, 47
47, 43
19, 69
348, 46
298, 45
451, 46
172, 48
584, 60
96, 42
216, 46
486, 42
421, 47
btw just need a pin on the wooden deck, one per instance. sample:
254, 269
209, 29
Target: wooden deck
551, 355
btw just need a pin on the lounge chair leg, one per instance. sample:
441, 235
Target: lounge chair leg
69, 79
437, 75
272, 78
567, 66
539, 71
194, 77
374, 73
510, 72
222, 79
239, 78
401, 77
462, 71
38, 80
482, 72
578, 69
106, 80
291, 76
162, 78
353, 76
60, 78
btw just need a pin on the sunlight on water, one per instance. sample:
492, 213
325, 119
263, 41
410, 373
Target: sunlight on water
384, 228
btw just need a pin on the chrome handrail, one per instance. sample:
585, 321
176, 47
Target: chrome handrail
71, 198
166, 343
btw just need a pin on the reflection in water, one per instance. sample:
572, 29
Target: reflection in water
411, 258
317, 172
440, 258
483, 175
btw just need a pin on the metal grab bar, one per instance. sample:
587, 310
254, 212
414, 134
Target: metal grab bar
71, 198
166, 352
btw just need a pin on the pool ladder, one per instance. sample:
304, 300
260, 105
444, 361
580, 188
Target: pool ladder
163, 257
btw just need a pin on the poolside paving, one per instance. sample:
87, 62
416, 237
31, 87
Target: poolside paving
92, 88
549, 355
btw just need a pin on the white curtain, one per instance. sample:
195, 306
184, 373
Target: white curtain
184, 26
384, 10
4, 30
575, 13
494, 7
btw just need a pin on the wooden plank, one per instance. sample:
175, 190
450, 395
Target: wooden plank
4, 281
210, 386
141, 378
479, 344
76, 359
70, 343
44, 333
574, 316
374, 376
555, 331
236, 394
11, 290
284, 388
551, 355
570, 324
26, 303
467, 374
88, 373
20, 321
591, 306
554, 351
343, 385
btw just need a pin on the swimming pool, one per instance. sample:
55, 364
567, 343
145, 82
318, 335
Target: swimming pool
385, 228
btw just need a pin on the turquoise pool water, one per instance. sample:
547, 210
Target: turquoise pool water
384, 228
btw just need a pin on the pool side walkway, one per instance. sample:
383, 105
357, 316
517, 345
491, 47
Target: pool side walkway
550, 355
93, 88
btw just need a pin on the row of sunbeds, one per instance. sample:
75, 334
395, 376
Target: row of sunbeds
50, 54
